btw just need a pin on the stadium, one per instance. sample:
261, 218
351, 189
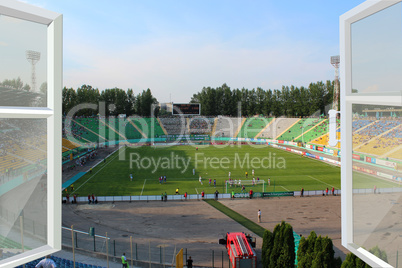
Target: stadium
301, 176
125, 161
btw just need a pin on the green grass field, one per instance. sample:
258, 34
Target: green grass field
287, 171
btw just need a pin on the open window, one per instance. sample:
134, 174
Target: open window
30, 132
371, 142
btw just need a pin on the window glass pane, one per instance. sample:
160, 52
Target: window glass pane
23, 191
376, 49
377, 175
23, 65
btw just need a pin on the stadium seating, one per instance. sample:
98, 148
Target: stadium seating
324, 139
277, 127
201, 125
68, 145
360, 123
6, 243
299, 129
253, 126
150, 127
18, 147
86, 129
227, 126
174, 125
378, 138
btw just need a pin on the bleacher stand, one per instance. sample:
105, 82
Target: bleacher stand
175, 125
358, 124
299, 129
201, 125
277, 127
227, 126
22, 143
379, 137
253, 126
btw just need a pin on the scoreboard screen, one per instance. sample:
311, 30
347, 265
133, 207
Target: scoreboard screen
186, 108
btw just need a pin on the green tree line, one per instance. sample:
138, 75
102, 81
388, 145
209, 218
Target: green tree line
313, 252
289, 101
15, 83
115, 100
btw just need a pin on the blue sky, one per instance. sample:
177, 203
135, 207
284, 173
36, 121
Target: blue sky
177, 47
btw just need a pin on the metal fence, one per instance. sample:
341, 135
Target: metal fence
149, 254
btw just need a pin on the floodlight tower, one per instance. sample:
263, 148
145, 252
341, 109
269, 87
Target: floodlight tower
33, 57
335, 62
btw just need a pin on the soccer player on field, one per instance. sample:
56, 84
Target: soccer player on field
199, 179
229, 174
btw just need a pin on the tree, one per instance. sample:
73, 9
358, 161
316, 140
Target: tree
278, 247
14, 83
227, 104
379, 253
26, 87
130, 102
305, 253
69, 99
43, 88
352, 261
143, 103
260, 100
316, 252
87, 94
267, 107
118, 98
267, 245
277, 103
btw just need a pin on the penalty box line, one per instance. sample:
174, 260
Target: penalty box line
321, 181
100, 169
285, 188
143, 186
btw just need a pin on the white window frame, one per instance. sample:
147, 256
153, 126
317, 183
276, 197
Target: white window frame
347, 100
53, 115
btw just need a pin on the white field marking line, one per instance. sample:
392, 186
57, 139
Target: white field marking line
320, 181
143, 186
279, 176
98, 171
104, 158
285, 188
196, 190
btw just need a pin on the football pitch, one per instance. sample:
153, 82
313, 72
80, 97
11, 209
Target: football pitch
184, 165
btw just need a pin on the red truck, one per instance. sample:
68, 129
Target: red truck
240, 250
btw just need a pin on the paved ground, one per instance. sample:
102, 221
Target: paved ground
159, 227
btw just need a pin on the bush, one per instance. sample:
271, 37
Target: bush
316, 252
353, 261
278, 247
